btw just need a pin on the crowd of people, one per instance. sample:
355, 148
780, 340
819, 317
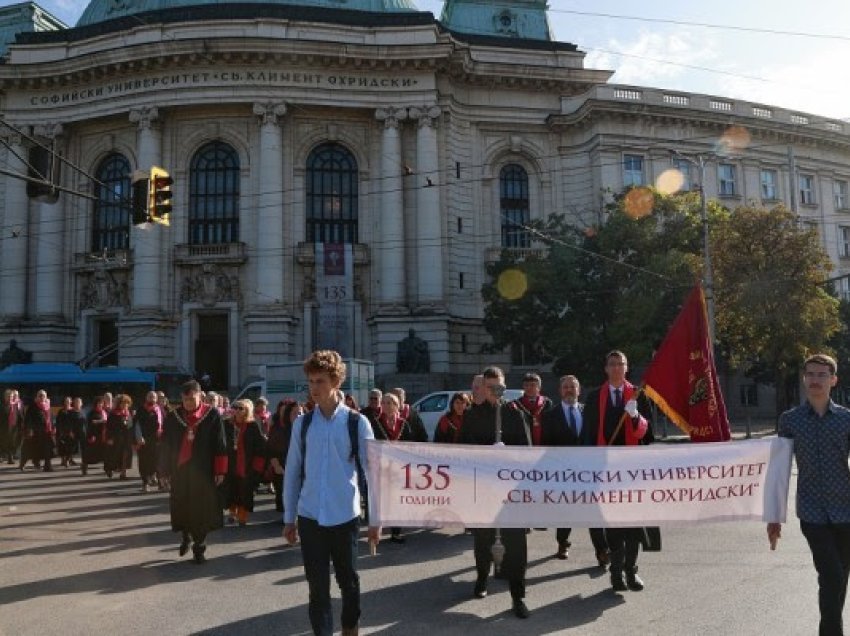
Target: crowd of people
212, 456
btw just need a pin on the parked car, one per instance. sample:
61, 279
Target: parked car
434, 405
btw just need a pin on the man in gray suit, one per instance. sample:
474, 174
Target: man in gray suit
563, 426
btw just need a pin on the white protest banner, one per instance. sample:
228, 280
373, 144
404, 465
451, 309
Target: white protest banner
520, 487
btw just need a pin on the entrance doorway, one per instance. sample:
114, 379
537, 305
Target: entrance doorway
212, 350
106, 342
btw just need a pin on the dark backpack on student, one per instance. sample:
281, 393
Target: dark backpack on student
354, 438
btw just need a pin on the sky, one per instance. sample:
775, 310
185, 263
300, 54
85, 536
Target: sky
809, 73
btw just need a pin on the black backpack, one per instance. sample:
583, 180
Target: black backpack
354, 438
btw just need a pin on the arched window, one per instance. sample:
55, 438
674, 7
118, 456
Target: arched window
214, 195
331, 195
111, 223
514, 206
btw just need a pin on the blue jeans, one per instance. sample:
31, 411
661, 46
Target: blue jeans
830, 546
321, 545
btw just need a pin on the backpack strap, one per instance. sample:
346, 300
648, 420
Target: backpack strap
305, 424
354, 438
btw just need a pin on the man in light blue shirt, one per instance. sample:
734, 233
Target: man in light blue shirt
321, 488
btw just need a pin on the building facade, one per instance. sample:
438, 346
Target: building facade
419, 145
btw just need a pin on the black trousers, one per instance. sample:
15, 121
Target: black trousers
321, 545
516, 556
597, 538
830, 546
624, 544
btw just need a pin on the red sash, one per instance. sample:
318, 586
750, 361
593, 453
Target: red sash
188, 441
393, 430
628, 394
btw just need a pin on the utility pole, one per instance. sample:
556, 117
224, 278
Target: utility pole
700, 162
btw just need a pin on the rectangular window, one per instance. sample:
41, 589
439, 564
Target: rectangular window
844, 242
768, 185
726, 179
683, 167
460, 280
632, 170
839, 189
807, 189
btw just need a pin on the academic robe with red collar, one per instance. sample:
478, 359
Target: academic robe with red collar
192, 466
631, 433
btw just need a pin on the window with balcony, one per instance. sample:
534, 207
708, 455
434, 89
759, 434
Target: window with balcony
332, 195
769, 190
111, 219
726, 180
807, 189
632, 170
214, 195
840, 193
514, 206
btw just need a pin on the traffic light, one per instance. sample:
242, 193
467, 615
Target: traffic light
141, 197
160, 205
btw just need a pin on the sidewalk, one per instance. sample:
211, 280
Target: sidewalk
757, 429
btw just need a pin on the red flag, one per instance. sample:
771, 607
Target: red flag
682, 378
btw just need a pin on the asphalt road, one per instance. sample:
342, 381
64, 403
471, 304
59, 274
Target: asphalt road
86, 555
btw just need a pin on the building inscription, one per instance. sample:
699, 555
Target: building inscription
243, 78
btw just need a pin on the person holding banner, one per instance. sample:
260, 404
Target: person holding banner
821, 432
479, 427
321, 491
613, 417
563, 425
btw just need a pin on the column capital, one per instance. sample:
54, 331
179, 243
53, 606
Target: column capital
50, 130
391, 116
144, 117
269, 112
427, 115
11, 137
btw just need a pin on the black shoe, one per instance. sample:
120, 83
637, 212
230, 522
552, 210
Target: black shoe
397, 538
198, 550
633, 581
520, 609
602, 558
563, 552
48, 468
184, 547
480, 590
618, 583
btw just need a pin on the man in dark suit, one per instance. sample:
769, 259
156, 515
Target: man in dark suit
613, 417
479, 427
563, 425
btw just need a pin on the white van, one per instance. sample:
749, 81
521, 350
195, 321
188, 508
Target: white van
434, 405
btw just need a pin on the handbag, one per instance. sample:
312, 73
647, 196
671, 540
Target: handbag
651, 539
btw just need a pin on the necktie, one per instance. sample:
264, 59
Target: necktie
617, 398
571, 410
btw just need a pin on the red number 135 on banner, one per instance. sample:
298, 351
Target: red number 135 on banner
426, 476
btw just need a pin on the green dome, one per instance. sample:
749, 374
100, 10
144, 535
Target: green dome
102, 10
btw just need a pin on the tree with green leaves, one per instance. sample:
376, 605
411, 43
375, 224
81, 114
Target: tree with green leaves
772, 304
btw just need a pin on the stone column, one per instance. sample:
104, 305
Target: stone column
390, 236
13, 244
145, 239
269, 217
50, 241
429, 258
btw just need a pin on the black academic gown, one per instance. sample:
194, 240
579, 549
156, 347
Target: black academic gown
194, 502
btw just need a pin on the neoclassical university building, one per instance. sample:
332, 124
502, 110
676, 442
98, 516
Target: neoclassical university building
343, 172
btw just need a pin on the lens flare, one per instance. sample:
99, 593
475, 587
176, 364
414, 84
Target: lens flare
733, 141
670, 181
512, 284
638, 202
